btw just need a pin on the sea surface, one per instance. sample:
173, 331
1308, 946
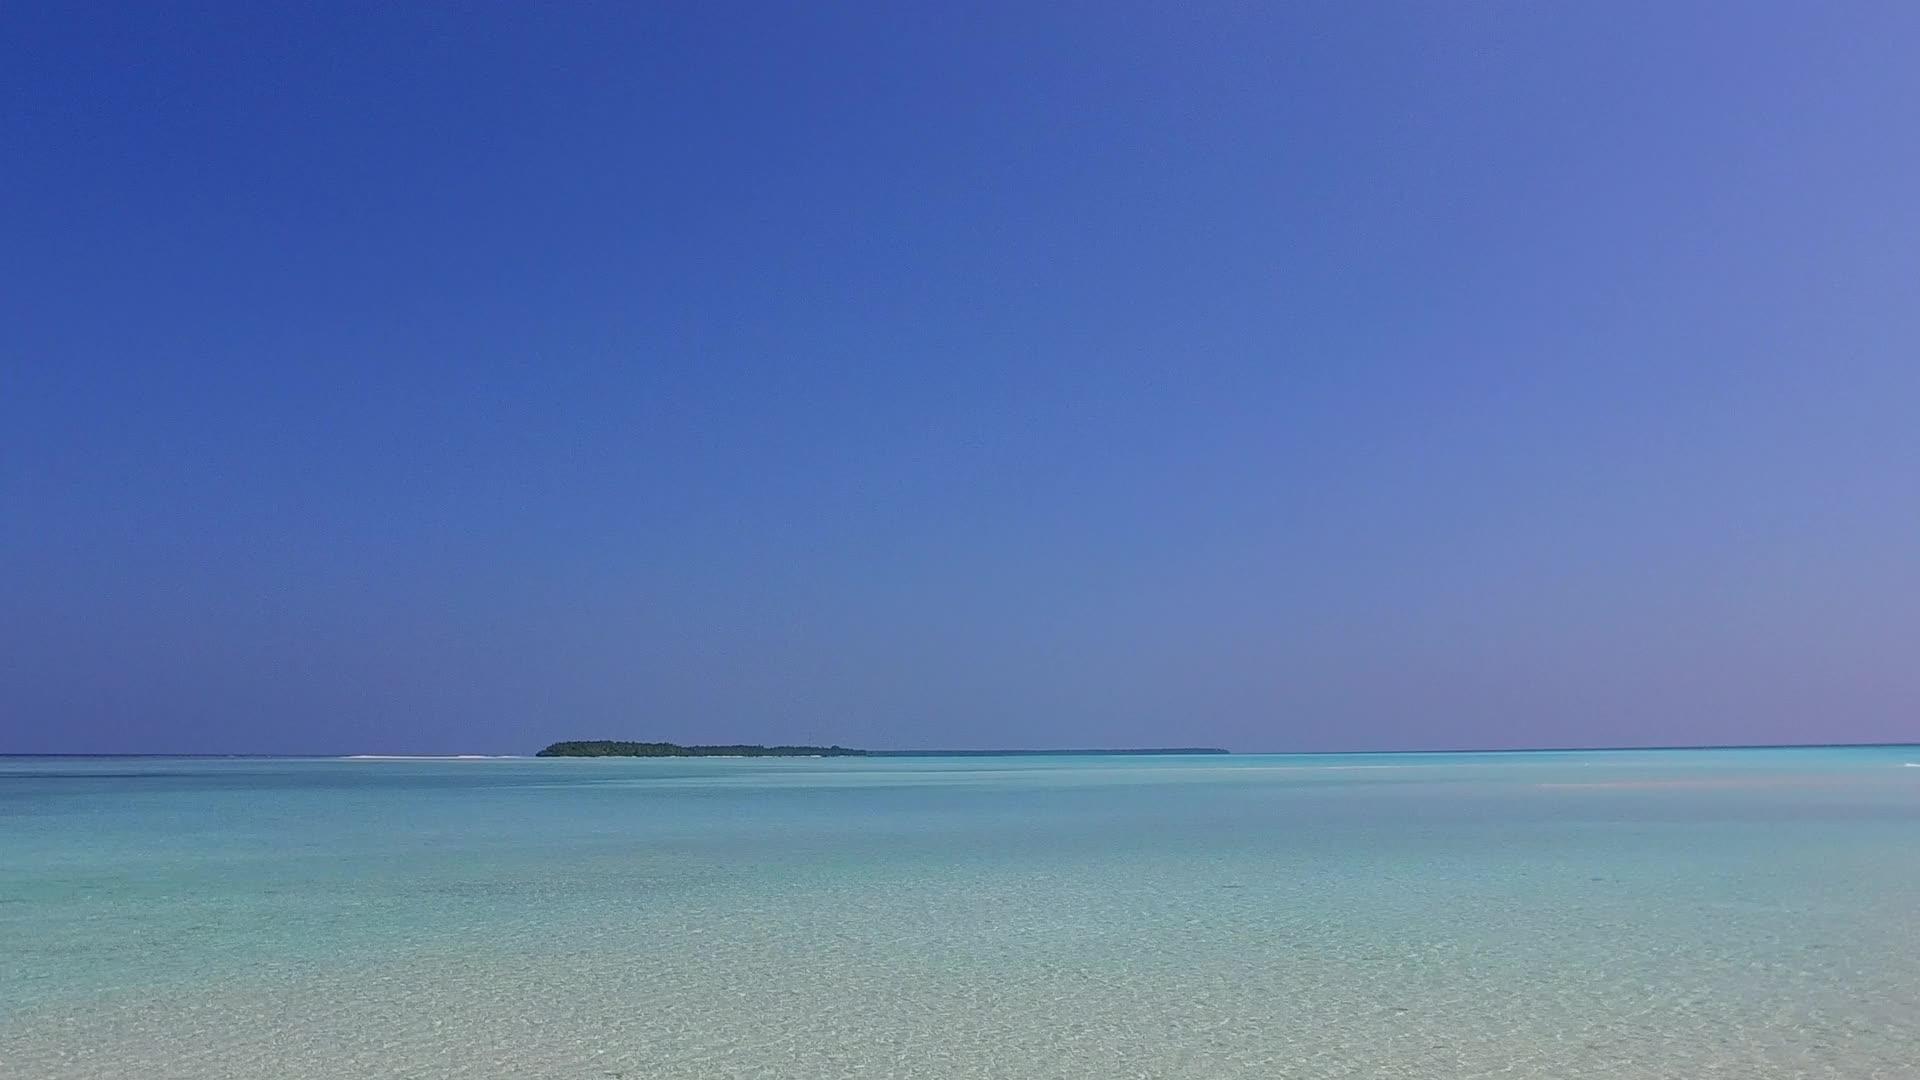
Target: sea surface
1747, 914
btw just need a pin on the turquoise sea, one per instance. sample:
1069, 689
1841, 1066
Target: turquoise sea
1744, 914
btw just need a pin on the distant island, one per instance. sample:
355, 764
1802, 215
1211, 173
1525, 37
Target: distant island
617, 748
1125, 751
620, 748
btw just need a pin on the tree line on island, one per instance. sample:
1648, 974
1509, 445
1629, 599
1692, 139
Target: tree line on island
623, 748
619, 748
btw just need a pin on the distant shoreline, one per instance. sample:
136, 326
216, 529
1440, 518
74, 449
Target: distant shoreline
1146, 751
594, 748
245, 756
621, 748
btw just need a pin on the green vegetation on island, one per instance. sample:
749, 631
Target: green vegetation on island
1124, 751
619, 748
622, 748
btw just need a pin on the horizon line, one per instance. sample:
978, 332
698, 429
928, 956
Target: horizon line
1010, 751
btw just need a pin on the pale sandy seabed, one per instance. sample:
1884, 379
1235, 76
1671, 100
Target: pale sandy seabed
1710, 917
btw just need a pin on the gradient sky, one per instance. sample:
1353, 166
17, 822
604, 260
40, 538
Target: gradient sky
456, 378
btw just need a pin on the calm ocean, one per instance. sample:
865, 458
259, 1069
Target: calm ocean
1744, 914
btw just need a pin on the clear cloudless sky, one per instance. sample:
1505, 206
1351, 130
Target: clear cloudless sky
456, 378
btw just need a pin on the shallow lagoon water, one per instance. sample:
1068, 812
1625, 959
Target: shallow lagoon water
1743, 913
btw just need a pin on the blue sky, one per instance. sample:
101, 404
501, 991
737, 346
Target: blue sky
425, 378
